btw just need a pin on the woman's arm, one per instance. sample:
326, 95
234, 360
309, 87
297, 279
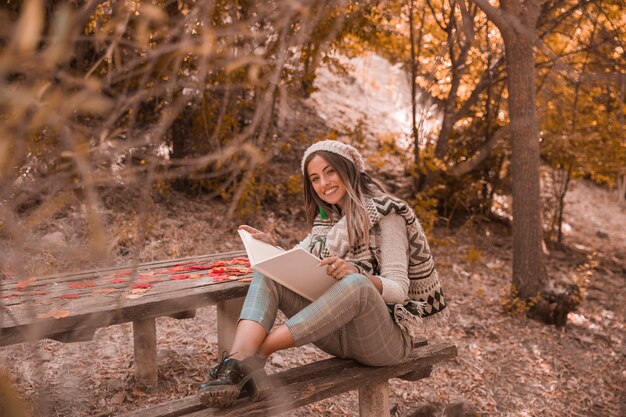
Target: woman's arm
394, 259
393, 282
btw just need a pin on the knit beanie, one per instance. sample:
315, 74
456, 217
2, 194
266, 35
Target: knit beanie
339, 148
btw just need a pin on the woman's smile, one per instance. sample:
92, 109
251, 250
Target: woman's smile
326, 181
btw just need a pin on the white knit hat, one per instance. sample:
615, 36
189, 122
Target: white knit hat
339, 148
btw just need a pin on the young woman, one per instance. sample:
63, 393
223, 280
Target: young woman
387, 285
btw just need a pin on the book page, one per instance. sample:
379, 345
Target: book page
299, 271
257, 250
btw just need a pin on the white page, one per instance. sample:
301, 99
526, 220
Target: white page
257, 250
299, 271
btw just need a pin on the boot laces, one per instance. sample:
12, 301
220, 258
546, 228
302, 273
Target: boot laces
216, 370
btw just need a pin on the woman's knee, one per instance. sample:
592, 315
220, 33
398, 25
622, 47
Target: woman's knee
358, 283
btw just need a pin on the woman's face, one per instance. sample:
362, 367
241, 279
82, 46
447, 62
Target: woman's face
326, 181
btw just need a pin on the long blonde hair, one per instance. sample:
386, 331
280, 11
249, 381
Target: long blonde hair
358, 186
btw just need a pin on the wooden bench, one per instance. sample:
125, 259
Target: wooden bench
316, 381
70, 307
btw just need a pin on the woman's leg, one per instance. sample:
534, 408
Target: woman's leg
351, 320
265, 297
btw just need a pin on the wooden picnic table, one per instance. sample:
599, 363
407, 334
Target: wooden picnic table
70, 307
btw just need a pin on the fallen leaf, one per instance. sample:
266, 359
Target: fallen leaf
55, 313
85, 284
38, 293
104, 290
219, 278
136, 293
142, 286
69, 296
123, 273
217, 271
11, 295
118, 280
195, 276
139, 393
118, 398
22, 285
142, 278
179, 277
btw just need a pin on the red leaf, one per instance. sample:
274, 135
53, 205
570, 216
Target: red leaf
217, 271
220, 278
145, 286
79, 285
11, 295
200, 267
147, 279
22, 285
240, 261
118, 280
177, 269
179, 277
69, 296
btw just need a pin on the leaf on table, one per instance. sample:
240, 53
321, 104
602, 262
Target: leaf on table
118, 280
136, 293
180, 276
195, 276
10, 295
104, 290
217, 271
148, 279
84, 284
239, 261
69, 296
55, 313
177, 269
222, 278
22, 285
200, 267
142, 286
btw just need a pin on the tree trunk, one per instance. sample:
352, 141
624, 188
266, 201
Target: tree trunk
529, 274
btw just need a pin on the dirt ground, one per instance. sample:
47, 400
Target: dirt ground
507, 365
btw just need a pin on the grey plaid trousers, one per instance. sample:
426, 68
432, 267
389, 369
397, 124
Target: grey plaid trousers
350, 320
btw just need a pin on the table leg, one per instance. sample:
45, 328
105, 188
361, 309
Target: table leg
144, 335
227, 316
374, 400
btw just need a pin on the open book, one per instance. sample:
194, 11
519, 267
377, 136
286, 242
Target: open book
295, 269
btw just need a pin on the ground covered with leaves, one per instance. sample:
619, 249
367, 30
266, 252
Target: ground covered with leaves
507, 365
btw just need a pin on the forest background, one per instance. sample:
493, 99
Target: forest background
113, 110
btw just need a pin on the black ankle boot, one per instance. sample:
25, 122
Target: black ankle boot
232, 377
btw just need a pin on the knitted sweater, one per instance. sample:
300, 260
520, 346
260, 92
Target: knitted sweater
394, 258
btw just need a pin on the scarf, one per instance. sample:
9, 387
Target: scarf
426, 302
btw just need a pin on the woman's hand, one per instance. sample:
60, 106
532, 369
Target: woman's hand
338, 268
259, 235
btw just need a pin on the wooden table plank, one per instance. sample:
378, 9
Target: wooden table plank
9, 286
25, 326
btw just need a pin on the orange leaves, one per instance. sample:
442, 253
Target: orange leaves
142, 286
69, 296
118, 280
22, 285
79, 285
55, 313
